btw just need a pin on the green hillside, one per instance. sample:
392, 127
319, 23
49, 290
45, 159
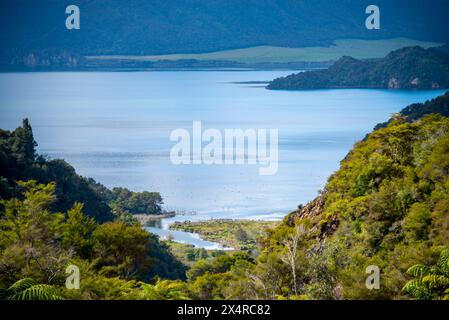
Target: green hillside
406, 68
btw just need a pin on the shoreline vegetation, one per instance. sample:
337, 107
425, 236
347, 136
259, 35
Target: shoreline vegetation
410, 68
237, 234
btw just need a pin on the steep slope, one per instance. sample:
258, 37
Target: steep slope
387, 206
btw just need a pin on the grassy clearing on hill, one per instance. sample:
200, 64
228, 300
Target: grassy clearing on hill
359, 49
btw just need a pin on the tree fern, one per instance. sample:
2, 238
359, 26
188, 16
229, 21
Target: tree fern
165, 290
430, 282
20, 286
418, 270
443, 264
434, 281
28, 289
418, 290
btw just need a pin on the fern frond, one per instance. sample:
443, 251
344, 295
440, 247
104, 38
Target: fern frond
417, 290
443, 263
37, 292
418, 271
435, 281
21, 285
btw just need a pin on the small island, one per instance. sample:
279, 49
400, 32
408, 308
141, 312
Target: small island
411, 68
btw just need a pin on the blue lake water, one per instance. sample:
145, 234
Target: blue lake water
115, 127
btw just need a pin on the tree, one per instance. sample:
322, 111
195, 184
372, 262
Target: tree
241, 235
23, 146
137, 202
121, 249
290, 255
77, 230
29, 235
131, 252
431, 282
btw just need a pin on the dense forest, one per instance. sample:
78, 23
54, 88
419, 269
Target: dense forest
142, 27
386, 206
406, 68
413, 112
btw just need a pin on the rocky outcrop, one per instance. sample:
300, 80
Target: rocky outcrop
393, 83
313, 212
46, 59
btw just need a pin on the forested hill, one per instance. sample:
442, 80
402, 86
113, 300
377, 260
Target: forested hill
406, 68
413, 112
142, 27
386, 206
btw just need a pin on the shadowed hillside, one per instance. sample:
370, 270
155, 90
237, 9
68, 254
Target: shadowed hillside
407, 68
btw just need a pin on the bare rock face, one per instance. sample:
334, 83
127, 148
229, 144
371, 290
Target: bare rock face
313, 212
415, 82
47, 59
312, 209
393, 83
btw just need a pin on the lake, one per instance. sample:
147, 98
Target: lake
115, 127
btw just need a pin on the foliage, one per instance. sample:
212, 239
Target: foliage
387, 206
183, 26
131, 252
413, 112
28, 289
136, 202
214, 278
166, 290
430, 282
406, 68
29, 236
36, 243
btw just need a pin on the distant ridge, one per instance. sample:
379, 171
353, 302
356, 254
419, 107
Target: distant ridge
149, 27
